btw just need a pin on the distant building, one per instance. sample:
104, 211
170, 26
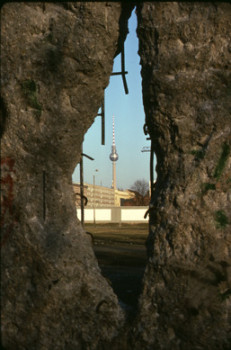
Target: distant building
100, 196
136, 200
120, 196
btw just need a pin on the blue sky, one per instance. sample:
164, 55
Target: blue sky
128, 110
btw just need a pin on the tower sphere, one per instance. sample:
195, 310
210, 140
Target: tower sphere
114, 156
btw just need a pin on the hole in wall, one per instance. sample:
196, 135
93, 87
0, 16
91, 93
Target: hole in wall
115, 218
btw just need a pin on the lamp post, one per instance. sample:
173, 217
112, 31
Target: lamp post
152, 165
94, 196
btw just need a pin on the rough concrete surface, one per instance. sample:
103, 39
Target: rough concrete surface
185, 51
56, 63
56, 60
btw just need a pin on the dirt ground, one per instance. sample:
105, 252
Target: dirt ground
121, 253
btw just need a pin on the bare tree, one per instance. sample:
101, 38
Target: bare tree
141, 186
141, 189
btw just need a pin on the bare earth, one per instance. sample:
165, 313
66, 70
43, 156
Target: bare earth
121, 253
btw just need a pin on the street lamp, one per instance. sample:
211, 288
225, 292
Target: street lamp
94, 195
152, 164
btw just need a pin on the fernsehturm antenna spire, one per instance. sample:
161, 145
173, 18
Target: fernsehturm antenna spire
113, 156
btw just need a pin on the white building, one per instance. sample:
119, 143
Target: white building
100, 196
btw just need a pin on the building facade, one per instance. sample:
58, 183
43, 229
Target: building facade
100, 196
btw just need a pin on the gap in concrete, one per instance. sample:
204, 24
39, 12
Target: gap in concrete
120, 248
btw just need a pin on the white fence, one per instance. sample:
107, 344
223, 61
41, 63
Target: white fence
114, 214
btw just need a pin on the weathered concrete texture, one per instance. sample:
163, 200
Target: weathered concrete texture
185, 51
56, 63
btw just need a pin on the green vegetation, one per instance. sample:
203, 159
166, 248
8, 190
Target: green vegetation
29, 89
199, 154
125, 233
218, 170
221, 219
222, 161
207, 186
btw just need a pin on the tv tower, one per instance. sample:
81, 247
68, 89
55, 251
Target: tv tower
114, 155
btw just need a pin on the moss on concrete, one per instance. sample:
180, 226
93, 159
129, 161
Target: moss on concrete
222, 161
207, 187
29, 90
221, 219
198, 154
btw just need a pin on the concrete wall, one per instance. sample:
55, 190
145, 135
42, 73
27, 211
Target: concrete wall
114, 214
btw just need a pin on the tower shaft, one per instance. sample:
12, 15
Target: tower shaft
114, 175
113, 156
